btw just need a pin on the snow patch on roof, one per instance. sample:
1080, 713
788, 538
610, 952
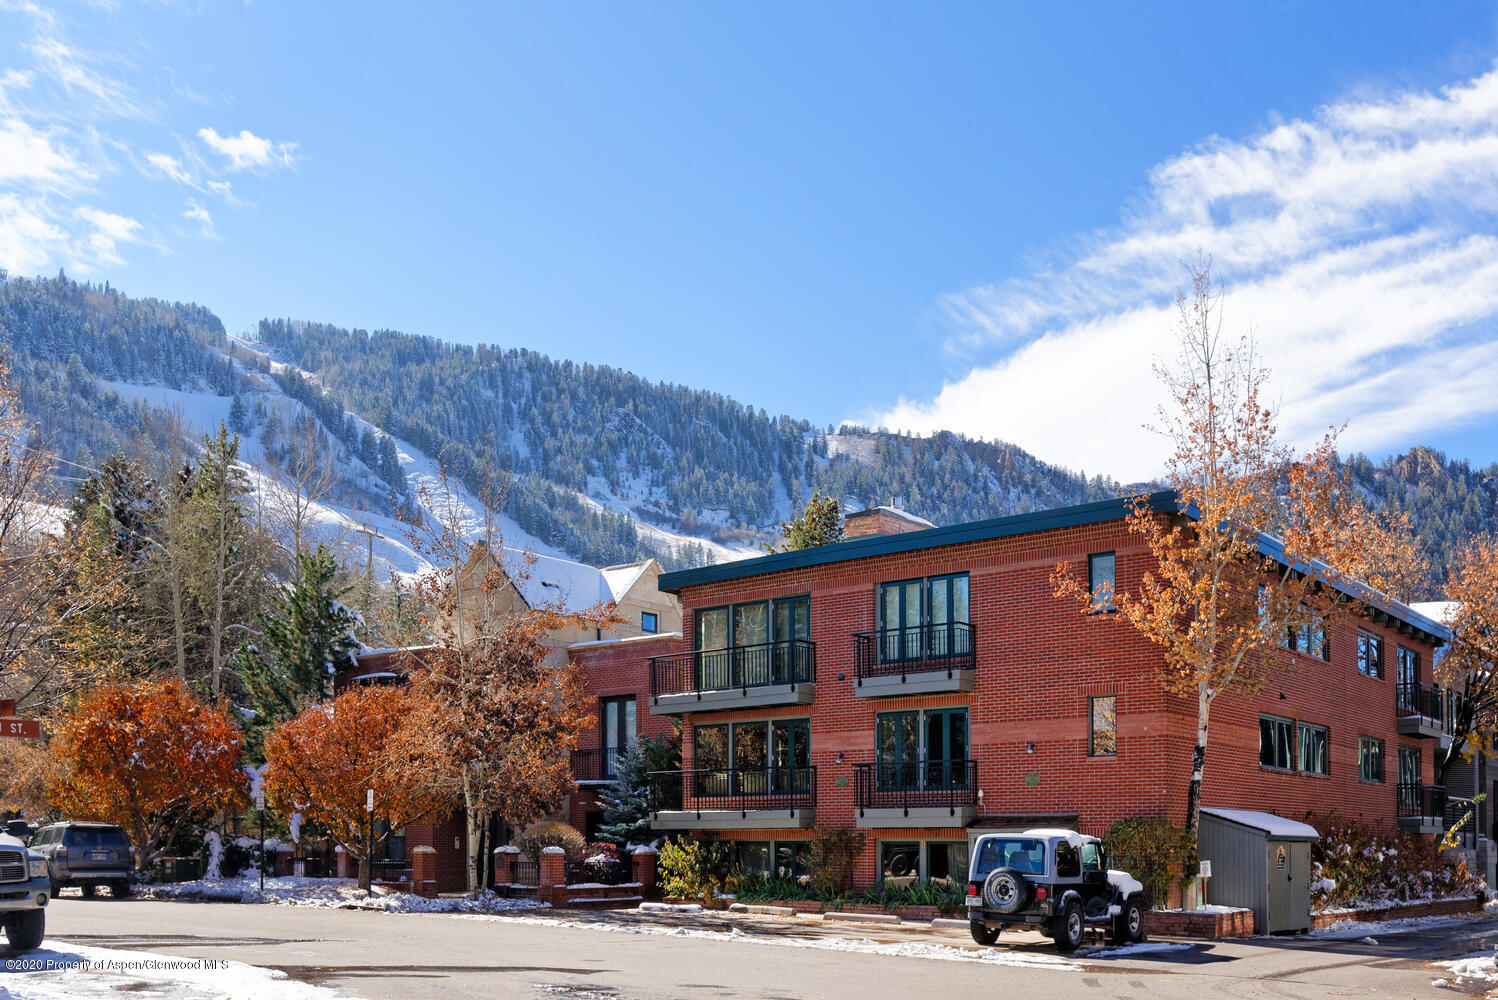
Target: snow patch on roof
1437, 611
648, 637
896, 512
1275, 826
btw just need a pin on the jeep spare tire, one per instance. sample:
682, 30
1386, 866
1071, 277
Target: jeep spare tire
1006, 891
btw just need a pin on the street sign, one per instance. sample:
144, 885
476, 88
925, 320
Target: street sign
1206, 869
369, 800
260, 799
25, 729
7, 707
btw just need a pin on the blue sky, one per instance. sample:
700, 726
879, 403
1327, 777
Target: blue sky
967, 217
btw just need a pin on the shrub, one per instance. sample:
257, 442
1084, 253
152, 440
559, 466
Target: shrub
602, 863
551, 833
1354, 865
695, 869
760, 889
834, 851
1155, 851
947, 897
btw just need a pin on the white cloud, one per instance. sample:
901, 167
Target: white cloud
171, 167
201, 216
1360, 245
247, 151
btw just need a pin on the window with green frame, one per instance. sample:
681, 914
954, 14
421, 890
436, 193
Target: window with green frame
1275, 743
1370, 759
924, 618
921, 749
750, 644
761, 757
1314, 743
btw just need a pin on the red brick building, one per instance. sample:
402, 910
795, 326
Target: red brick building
924, 683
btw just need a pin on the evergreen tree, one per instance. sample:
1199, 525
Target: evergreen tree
821, 523
238, 415
626, 803
307, 632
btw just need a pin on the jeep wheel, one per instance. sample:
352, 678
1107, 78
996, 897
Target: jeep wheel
87, 889
982, 934
120, 888
1129, 924
1006, 891
1069, 927
26, 930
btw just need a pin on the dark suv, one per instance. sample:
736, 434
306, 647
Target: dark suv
1057, 880
87, 855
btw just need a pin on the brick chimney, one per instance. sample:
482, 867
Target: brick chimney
890, 520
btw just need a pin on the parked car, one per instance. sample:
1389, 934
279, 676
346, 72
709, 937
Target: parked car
87, 855
24, 892
1056, 880
19, 829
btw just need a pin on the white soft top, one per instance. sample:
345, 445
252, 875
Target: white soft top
1275, 826
1070, 836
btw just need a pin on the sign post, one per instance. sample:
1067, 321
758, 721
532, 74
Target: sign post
369, 840
260, 807
1203, 874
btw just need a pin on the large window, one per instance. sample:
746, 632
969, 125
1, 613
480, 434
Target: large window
1406, 677
1275, 749
753, 758
750, 644
1370, 759
1102, 580
905, 862
1314, 741
789, 859
1102, 738
924, 618
1370, 654
922, 749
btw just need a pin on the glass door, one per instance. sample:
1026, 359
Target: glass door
949, 608
751, 635
751, 758
1409, 777
791, 746
897, 737
711, 662
900, 618
946, 748
791, 618
1407, 673
618, 731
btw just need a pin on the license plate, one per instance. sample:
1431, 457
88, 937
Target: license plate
101, 856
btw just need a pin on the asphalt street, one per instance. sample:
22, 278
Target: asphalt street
413, 957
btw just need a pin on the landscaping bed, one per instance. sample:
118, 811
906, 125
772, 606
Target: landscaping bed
1210, 922
1398, 911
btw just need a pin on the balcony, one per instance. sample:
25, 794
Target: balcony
917, 793
596, 767
1421, 808
775, 798
1420, 710
771, 673
923, 659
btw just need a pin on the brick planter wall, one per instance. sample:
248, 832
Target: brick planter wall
1437, 908
1179, 923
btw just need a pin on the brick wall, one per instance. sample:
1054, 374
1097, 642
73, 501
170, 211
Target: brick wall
1038, 661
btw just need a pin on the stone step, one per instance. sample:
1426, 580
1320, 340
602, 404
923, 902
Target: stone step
762, 908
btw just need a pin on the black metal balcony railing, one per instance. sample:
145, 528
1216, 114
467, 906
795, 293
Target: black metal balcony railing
917, 784
1417, 699
793, 662
917, 649
596, 764
1415, 799
736, 789
1458, 810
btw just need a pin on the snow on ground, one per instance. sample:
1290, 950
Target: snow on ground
1478, 967
1143, 948
62, 971
908, 949
1349, 930
332, 893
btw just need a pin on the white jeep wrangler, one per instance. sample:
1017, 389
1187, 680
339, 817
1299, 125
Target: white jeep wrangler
1058, 880
25, 890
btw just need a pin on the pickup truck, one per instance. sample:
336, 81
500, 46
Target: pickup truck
25, 890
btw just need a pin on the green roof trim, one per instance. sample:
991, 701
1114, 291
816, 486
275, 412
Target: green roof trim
913, 541
1163, 501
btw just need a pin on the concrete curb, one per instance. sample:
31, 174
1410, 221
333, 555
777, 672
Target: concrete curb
863, 918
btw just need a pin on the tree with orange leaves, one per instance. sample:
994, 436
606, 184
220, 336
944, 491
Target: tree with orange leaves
502, 712
152, 758
1245, 560
323, 762
1470, 667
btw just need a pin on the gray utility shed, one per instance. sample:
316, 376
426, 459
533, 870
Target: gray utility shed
1259, 861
